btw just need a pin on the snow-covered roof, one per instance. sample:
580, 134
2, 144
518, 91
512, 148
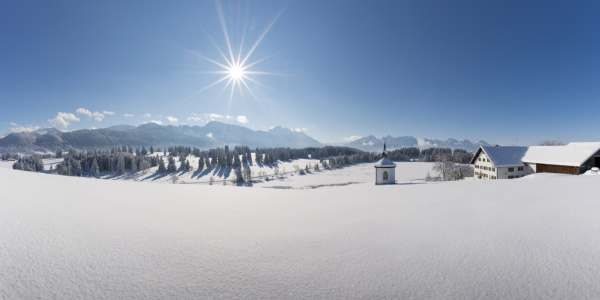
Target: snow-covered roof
503, 156
573, 154
385, 163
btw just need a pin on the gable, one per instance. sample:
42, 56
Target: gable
502, 156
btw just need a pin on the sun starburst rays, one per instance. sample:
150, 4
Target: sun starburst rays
235, 65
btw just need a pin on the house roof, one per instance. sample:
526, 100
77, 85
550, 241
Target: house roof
385, 163
502, 156
573, 154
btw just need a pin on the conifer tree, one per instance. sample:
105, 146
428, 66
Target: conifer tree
95, 171
121, 164
161, 166
171, 167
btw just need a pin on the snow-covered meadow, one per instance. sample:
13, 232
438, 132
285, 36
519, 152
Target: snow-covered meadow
70, 237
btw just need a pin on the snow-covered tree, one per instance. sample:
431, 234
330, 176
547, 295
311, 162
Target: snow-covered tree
247, 174
161, 166
134, 168
238, 175
171, 167
120, 164
144, 165
95, 170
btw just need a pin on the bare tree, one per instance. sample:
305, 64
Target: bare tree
551, 142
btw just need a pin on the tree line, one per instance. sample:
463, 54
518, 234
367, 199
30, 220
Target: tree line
123, 159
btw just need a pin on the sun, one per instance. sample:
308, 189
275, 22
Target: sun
236, 72
235, 65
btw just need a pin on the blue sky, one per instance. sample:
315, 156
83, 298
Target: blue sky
505, 72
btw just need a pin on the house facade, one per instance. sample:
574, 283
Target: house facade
499, 162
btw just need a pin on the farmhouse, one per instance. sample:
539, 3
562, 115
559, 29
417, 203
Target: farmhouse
498, 162
573, 158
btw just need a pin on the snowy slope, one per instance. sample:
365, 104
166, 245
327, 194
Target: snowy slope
66, 237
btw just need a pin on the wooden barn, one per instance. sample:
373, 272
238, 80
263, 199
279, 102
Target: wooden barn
574, 158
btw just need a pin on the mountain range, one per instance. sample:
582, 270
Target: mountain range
211, 135
371, 143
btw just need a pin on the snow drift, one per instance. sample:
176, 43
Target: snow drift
65, 237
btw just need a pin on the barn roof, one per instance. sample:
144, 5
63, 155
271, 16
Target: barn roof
385, 163
502, 156
573, 154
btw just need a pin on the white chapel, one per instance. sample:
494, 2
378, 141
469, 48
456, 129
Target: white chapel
385, 170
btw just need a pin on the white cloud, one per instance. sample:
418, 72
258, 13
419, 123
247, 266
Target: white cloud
352, 138
83, 111
18, 128
214, 116
299, 129
210, 135
98, 116
128, 115
156, 122
147, 116
242, 119
110, 113
195, 119
63, 119
95, 115
228, 117
370, 143
172, 119
424, 143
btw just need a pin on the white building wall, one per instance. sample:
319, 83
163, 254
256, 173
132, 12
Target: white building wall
483, 168
379, 175
506, 173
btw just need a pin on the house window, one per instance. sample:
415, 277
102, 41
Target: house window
520, 168
511, 169
488, 160
493, 169
385, 175
511, 177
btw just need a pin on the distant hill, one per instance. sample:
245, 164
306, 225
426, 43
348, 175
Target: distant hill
371, 143
213, 134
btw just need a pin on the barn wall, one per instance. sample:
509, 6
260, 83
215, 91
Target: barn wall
543, 168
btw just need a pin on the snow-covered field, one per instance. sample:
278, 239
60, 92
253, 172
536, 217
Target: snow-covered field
287, 176
533, 237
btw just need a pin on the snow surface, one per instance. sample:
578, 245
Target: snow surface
573, 154
532, 237
505, 156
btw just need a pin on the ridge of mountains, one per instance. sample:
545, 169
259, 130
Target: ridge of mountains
371, 143
213, 134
